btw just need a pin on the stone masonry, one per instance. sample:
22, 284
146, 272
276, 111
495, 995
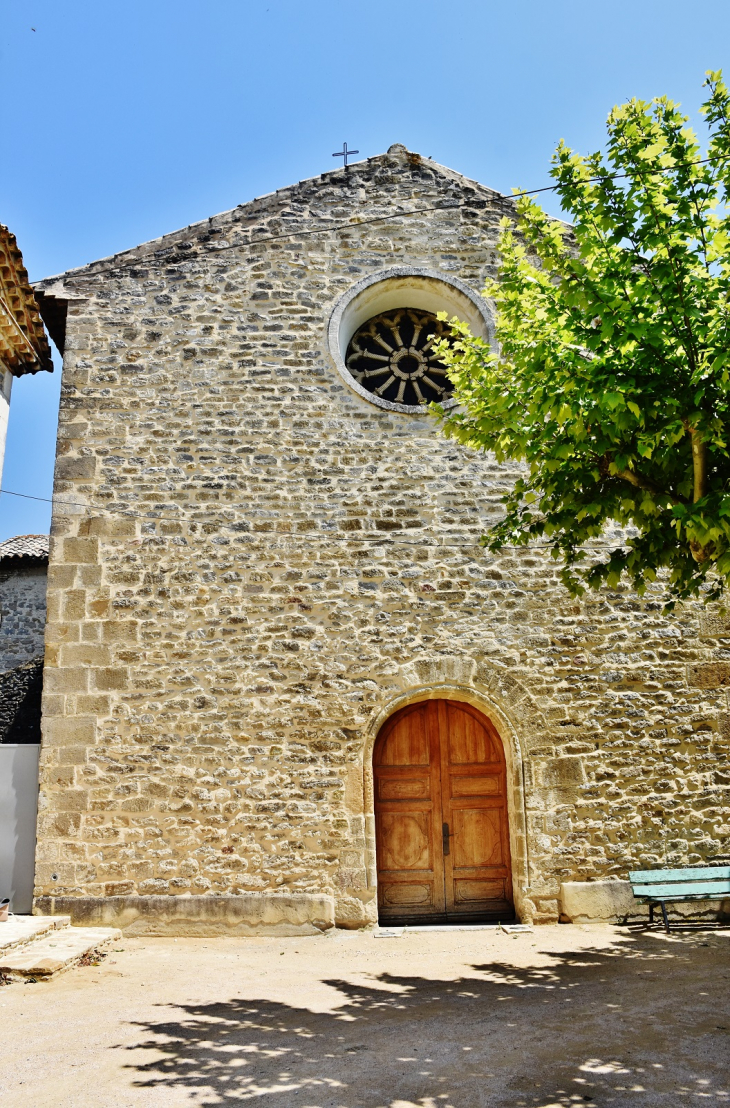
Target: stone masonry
23, 571
257, 566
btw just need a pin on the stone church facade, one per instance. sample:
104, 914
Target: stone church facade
279, 665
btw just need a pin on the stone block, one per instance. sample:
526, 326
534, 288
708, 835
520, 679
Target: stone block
74, 604
564, 773
80, 551
245, 914
120, 630
90, 631
84, 654
111, 527
710, 675
93, 704
73, 756
596, 901
351, 913
67, 680
69, 730
62, 632
72, 800
714, 625
108, 679
70, 469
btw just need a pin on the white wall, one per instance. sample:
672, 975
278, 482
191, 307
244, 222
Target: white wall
18, 811
6, 380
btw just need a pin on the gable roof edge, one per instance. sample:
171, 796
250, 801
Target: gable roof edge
54, 286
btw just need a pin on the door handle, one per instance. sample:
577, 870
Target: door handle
447, 836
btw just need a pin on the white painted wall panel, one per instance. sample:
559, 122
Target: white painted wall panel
18, 811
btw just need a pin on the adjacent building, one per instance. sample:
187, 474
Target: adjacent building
23, 344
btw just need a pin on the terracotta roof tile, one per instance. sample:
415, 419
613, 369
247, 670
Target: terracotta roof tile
23, 344
24, 546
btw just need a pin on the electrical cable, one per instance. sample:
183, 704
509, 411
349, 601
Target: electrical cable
444, 206
300, 537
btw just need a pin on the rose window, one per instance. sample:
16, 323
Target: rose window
392, 356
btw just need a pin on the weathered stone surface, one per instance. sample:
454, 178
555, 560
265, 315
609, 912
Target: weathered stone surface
18, 931
352, 913
22, 614
20, 703
710, 675
247, 914
22, 626
586, 901
54, 951
267, 564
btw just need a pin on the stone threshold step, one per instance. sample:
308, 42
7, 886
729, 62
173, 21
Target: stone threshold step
54, 952
18, 931
396, 932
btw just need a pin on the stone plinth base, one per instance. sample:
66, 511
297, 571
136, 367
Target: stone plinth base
246, 914
597, 901
604, 901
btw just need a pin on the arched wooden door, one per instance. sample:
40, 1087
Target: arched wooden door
441, 825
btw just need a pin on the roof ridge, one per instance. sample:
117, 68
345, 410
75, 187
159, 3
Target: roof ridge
25, 546
144, 249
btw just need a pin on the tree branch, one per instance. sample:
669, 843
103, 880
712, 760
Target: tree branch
699, 464
640, 482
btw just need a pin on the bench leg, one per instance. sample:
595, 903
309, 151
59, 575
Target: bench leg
651, 914
664, 917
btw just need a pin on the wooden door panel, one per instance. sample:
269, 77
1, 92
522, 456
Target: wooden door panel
476, 786
435, 763
468, 740
477, 837
407, 742
468, 892
408, 814
474, 805
407, 842
406, 897
404, 788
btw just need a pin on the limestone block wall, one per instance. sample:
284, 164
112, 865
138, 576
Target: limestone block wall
267, 565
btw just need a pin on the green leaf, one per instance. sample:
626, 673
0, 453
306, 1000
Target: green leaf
614, 339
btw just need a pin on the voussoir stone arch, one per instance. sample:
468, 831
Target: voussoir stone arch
507, 704
403, 286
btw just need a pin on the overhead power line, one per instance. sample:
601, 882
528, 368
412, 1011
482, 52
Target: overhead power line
443, 206
299, 536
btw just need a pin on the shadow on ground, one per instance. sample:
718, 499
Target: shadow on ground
642, 1023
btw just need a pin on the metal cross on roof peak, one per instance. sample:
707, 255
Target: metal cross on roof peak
345, 153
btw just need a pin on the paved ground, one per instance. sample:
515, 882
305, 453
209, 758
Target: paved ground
564, 1016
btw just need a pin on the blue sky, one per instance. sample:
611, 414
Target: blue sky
125, 119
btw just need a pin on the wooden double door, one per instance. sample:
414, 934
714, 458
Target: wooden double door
442, 833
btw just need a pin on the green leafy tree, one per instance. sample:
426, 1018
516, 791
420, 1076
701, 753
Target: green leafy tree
612, 381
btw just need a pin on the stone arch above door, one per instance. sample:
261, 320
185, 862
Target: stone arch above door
513, 752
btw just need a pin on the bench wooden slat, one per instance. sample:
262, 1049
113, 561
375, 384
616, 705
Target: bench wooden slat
690, 883
691, 890
664, 876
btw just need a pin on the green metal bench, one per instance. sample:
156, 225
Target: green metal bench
657, 886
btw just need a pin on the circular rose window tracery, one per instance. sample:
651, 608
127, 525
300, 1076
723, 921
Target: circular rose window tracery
392, 356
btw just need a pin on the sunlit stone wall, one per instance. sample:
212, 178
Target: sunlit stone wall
266, 564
